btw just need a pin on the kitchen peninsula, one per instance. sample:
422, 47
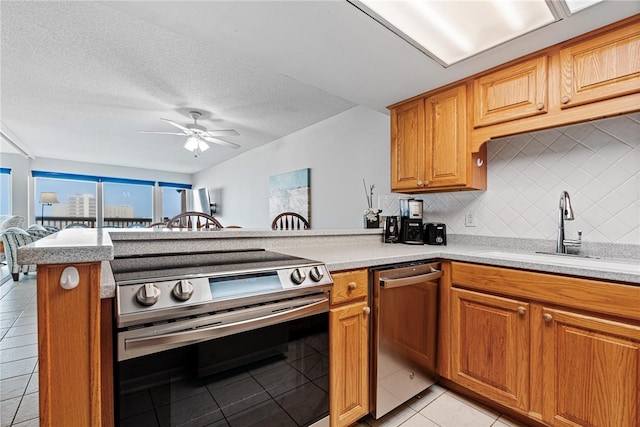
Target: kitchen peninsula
75, 325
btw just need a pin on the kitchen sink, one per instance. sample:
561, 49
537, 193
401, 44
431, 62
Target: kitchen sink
578, 261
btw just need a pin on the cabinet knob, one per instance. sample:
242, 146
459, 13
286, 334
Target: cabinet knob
547, 317
540, 106
565, 99
522, 310
366, 310
420, 183
352, 285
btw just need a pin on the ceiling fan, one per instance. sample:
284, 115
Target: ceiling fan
198, 135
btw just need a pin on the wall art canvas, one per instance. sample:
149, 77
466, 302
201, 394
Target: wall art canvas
290, 192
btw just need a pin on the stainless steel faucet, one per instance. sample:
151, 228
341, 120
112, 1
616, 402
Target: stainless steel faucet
565, 212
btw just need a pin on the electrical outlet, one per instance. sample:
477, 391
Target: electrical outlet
469, 219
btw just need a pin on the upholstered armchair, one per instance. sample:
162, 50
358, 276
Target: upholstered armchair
13, 238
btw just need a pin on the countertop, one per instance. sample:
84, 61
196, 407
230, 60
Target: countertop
339, 249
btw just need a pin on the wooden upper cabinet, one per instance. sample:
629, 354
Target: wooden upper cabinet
600, 68
447, 142
430, 146
511, 93
407, 145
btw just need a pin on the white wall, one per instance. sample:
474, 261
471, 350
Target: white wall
340, 152
19, 182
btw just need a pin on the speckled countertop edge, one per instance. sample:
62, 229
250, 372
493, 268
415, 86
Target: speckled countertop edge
361, 249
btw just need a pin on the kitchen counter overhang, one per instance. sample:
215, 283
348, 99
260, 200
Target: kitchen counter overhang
338, 249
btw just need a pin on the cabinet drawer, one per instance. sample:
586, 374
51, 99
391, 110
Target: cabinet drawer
513, 93
349, 286
601, 68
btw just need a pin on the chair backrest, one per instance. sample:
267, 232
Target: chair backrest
161, 224
290, 221
194, 221
13, 221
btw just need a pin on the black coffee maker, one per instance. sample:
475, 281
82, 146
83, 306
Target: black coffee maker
391, 230
411, 231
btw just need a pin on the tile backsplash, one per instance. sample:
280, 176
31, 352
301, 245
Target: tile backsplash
597, 162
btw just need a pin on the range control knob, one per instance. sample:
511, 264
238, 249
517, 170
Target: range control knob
316, 274
148, 294
298, 276
183, 290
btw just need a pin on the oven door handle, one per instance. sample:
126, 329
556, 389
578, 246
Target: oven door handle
411, 280
174, 339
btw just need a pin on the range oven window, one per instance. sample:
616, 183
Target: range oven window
223, 287
272, 376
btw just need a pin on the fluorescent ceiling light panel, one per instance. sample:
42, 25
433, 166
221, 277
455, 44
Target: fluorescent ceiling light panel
452, 30
576, 5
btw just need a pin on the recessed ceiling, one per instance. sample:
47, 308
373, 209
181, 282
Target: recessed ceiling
78, 79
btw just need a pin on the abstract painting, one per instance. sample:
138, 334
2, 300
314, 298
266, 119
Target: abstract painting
290, 192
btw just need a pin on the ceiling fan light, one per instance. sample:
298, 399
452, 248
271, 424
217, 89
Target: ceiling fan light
202, 145
192, 143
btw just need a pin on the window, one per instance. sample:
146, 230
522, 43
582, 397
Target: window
96, 201
5, 191
174, 197
126, 204
76, 202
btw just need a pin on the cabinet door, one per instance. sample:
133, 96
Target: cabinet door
591, 370
601, 68
513, 93
447, 142
490, 346
407, 145
348, 363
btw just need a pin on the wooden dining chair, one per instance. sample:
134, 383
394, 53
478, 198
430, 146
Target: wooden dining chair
290, 221
160, 224
194, 221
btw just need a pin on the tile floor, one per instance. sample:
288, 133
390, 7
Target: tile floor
18, 352
19, 376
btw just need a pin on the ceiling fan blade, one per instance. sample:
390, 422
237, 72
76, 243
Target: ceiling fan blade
220, 141
162, 133
223, 132
178, 125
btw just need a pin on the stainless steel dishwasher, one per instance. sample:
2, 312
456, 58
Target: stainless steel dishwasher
404, 331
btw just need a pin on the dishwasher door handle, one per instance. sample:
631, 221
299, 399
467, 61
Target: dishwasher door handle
410, 280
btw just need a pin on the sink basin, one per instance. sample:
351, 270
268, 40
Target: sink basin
592, 263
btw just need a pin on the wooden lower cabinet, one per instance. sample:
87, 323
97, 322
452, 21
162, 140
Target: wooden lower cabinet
490, 346
349, 348
536, 343
591, 370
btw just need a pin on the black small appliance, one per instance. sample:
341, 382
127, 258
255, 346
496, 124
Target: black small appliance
435, 233
411, 231
391, 230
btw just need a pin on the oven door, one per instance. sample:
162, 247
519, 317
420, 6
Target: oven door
264, 365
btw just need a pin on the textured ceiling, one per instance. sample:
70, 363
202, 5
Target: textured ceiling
80, 78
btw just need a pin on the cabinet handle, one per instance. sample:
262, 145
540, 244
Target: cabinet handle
352, 285
522, 310
547, 317
366, 310
70, 278
540, 106
479, 162
565, 99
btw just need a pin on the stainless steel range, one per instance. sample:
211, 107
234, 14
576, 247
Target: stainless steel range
234, 335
